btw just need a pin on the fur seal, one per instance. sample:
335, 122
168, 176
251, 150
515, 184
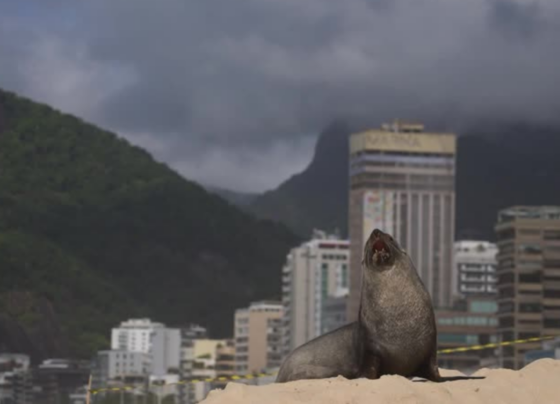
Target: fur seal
395, 332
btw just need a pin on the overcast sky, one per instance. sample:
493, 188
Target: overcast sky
233, 93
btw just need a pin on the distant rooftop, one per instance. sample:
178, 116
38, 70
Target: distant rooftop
474, 245
474, 251
323, 235
263, 305
140, 323
323, 238
403, 137
529, 212
403, 127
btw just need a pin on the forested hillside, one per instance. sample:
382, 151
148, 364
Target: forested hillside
94, 230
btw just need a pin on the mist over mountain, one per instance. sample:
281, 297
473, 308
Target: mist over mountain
240, 199
316, 197
498, 165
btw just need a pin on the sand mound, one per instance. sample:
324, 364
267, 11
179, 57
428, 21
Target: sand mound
538, 382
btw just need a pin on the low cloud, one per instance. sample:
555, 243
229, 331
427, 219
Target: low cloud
234, 93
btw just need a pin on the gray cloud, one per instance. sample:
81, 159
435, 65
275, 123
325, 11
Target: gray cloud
233, 93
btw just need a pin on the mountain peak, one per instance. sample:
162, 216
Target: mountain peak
519, 160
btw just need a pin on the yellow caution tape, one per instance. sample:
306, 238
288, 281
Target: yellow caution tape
493, 345
193, 381
253, 376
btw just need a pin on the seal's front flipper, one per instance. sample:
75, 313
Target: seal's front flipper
371, 367
429, 370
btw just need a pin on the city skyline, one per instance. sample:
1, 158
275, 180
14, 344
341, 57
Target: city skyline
187, 189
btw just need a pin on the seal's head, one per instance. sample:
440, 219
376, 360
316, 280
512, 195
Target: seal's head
381, 251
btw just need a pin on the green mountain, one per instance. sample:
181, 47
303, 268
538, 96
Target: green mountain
93, 231
498, 165
318, 196
240, 199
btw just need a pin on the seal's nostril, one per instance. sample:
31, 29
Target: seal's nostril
376, 232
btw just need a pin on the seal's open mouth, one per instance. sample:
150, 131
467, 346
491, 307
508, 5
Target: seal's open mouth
381, 252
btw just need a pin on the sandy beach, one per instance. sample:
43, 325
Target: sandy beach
538, 382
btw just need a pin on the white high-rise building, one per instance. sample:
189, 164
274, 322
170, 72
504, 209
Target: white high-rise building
475, 268
162, 344
313, 272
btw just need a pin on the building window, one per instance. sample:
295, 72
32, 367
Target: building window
530, 307
507, 234
506, 307
324, 280
551, 235
506, 292
529, 232
554, 294
551, 323
529, 322
551, 264
506, 321
528, 265
529, 249
484, 307
506, 264
526, 335
507, 277
344, 275
529, 292
458, 338
534, 277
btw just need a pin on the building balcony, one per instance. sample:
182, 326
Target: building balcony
529, 287
472, 270
472, 289
472, 278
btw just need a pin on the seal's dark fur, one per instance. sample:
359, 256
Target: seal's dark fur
395, 332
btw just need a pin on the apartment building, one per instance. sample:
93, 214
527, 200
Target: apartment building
314, 272
162, 344
258, 337
471, 321
189, 335
528, 277
112, 367
475, 268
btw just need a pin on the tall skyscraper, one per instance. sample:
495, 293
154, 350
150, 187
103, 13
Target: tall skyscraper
528, 277
475, 268
402, 181
314, 272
